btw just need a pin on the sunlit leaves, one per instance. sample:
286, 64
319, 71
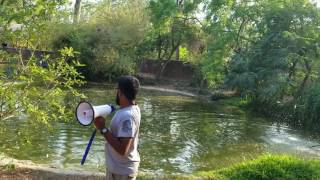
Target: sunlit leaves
40, 92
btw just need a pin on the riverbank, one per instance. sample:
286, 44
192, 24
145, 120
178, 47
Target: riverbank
13, 169
21, 169
264, 167
181, 88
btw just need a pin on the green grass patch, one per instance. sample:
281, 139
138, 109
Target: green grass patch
268, 167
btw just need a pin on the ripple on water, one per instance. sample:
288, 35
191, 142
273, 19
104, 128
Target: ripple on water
177, 135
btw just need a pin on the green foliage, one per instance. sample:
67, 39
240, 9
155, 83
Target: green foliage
306, 109
25, 86
173, 24
37, 91
25, 23
222, 31
269, 167
274, 167
261, 41
107, 42
268, 51
313, 104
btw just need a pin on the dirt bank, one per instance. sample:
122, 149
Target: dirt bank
26, 170
12, 169
29, 173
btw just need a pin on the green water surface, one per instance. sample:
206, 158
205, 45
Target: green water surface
178, 134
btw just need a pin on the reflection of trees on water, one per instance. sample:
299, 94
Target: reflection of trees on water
184, 133
23, 140
63, 143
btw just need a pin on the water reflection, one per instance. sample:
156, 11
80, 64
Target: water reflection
282, 139
178, 134
183, 160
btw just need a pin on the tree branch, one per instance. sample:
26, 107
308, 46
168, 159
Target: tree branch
239, 31
242, 37
190, 18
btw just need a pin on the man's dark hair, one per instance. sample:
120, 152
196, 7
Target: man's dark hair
129, 86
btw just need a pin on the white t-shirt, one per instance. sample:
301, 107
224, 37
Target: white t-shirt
125, 123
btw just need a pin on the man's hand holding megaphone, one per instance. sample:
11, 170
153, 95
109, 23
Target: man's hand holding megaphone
99, 124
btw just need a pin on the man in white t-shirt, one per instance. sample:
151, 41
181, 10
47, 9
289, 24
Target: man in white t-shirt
122, 156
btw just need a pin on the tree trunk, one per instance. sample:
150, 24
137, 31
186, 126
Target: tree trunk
305, 79
174, 49
163, 67
178, 53
159, 44
77, 7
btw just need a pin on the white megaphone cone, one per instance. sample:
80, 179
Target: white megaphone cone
86, 113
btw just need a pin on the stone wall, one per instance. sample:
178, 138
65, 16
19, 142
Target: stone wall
174, 70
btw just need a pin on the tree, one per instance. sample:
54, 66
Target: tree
256, 42
77, 10
27, 87
173, 24
107, 42
284, 56
268, 51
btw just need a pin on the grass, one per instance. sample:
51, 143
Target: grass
268, 167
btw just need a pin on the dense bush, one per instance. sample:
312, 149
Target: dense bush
306, 109
301, 112
107, 43
268, 52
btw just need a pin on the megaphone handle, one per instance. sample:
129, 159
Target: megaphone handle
88, 147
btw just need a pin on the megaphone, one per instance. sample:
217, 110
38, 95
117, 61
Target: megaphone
86, 113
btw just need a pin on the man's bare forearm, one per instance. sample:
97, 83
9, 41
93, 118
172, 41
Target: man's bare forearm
121, 145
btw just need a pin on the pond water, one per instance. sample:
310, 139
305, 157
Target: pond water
178, 134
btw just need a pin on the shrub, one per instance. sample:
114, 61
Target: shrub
307, 108
107, 43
